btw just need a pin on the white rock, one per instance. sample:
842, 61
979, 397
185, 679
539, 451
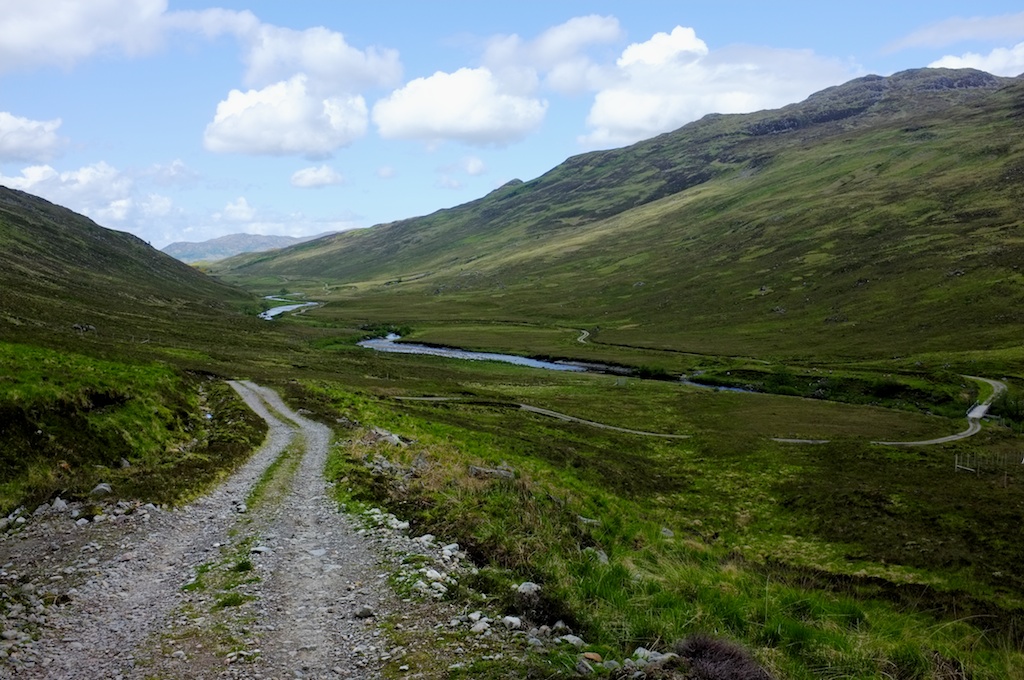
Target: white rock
573, 640
512, 622
528, 588
479, 627
101, 489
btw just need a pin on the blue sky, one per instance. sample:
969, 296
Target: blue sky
185, 120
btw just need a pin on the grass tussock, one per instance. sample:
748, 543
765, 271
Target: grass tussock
152, 432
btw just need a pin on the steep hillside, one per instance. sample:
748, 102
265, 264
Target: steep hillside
878, 217
65, 279
232, 244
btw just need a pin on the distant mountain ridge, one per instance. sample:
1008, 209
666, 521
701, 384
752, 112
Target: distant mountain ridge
232, 244
886, 211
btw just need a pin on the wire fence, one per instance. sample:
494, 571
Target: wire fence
987, 463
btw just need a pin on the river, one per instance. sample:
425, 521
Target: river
276, 311
391, 344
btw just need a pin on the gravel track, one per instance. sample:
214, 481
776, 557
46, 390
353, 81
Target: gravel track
112, 614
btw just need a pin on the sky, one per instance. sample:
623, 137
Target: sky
186, 120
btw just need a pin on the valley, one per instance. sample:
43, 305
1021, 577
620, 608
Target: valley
840, 269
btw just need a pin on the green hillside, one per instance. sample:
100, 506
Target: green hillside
104, 346
880, 217
59, 270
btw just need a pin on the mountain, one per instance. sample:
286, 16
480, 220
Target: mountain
880, 216
65, 279
232, 244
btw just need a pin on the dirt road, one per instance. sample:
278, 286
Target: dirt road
275, 583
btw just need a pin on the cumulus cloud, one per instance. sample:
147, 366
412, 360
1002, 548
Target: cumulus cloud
321, 176
237, 210
1001, 61
286, 118
557, 58
61, 32
277, 53
958, 29
674, 78
386, 172
91, 189
215, 22
468, 106
22, 139
100, 191
304, 97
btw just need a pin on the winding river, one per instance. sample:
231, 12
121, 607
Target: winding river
391, 344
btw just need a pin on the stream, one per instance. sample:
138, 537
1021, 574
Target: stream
291, 306
391, 344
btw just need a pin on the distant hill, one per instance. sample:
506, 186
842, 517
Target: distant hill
232, 244
876, 217
64, 279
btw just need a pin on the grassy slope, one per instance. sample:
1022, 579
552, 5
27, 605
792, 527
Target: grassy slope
878, 218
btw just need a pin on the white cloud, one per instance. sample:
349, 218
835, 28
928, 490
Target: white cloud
958, 29
468, 106
237, 210
386, 172
100, 191
321, 176
1001, 61
175, 173
674, 78
473, 166
156, 205
105, 194
557, 56
28, 140
285, 118
277, 53
61, 32
664, 48
215, 22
